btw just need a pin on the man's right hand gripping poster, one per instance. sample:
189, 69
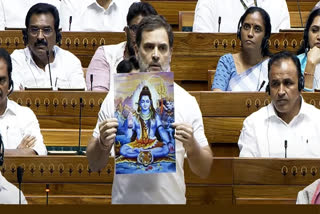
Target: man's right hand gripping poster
144, 107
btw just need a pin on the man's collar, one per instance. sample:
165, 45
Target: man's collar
272, 112
10, 107
91, 2
28, 54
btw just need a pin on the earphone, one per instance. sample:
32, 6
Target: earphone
300, 84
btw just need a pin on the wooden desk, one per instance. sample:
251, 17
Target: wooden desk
223, 114
232, 180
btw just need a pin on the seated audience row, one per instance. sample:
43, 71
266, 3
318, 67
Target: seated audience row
247, 70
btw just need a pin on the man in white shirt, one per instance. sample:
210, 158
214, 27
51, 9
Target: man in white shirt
207, 13
13, 12
154, 40
287, 127
9, 194
19, 126
94, 15
106, 58
42, 63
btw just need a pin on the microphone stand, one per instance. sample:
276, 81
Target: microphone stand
19, 178
80, 115
47, 193
298, 3
48, 57
219, 22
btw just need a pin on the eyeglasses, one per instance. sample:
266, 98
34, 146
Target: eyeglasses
34, 31
133, 28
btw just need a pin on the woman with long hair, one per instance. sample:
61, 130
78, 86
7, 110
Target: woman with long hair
248, 69
309, 52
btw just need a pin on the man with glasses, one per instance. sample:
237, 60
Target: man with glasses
106, 59
42, 63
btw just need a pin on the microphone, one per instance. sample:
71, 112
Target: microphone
1, 151
19, 178
285, 148
80, 115
262, 84
70, 22
47, 193
298, 3
48, 57
91, 80
219, 23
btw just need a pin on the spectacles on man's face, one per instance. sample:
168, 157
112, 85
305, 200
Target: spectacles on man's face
34, 31
133, 28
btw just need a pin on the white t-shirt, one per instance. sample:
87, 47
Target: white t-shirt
9, 193
207, 14
264, 134
13, 12
66, 70
163, 188
88, 15
17, 122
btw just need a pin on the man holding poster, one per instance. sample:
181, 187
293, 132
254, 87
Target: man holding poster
154, 45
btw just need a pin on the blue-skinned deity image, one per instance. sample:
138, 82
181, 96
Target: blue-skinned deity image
144, 141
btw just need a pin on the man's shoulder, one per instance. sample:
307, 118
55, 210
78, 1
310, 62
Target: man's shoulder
181, 93
114, 48
65, 54
311, 109
20, 110
259, 115
18, 53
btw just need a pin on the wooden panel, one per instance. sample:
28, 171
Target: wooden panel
71, 122
223, 104
65, 137
71, 182
222, 129
198, 195
170, 9
266, 194
231, 181
246, 173
58, 103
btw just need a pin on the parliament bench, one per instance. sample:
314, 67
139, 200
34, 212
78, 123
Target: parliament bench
222, 113
193, 53
231, 181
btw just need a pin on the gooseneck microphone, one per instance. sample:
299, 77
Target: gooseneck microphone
70, 22
47, 193
285, 148
262, 84
1, 151
298, 3
219, 23
80, 115
91, 80
48, 58
19, 178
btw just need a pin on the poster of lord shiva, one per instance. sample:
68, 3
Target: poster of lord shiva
144, 107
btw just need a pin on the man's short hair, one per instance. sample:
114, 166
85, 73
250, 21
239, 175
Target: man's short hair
150, 23
284, 55
140, 8
44, 8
